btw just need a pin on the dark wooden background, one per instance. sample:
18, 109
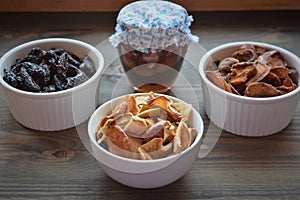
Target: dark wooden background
56, 165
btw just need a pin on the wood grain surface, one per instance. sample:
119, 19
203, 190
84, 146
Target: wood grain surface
57, 165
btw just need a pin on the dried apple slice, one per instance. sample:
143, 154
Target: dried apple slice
136, 126
132, 105
166, 104
169, 132
120, 109
155, 129
119, 138
182, 139
151, 112
154, 149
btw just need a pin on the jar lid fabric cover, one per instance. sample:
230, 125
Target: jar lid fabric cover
151, 26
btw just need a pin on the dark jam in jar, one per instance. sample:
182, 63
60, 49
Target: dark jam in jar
152, 71
152, 38
48, 71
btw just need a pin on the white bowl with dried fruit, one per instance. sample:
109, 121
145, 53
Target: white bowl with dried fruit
250, 88
51, 84
145, 140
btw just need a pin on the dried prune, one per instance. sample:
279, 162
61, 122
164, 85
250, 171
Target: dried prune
48, 71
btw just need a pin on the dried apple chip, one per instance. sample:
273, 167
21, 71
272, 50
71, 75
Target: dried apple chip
182, 138
166, 104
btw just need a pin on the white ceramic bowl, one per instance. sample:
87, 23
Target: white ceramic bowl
143, 173
247, 116
56, 110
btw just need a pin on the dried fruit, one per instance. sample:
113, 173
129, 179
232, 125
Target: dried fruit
261, 89
156, 128
48, 71
254, 71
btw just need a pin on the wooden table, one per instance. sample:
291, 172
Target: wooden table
56, 165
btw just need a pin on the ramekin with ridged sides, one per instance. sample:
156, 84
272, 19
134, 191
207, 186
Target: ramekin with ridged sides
247, 116
59, 110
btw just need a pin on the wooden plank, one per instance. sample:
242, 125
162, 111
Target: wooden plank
115, 5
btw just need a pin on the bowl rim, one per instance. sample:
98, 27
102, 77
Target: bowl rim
256, 100
92, 135
66, 92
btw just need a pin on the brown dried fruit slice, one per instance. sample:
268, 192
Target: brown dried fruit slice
218, 80
261, 89
241, 72
262, 70
272, 79
281, 72
132, 105
169, 132
153, 145
273, 58
293, 74
120, 139
245, 55
107, 120
226, 64
212, 65
287, 85
257, 49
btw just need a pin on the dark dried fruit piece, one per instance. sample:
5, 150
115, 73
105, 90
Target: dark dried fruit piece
48, 71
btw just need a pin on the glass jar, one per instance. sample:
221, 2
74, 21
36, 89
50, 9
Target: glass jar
152, 38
